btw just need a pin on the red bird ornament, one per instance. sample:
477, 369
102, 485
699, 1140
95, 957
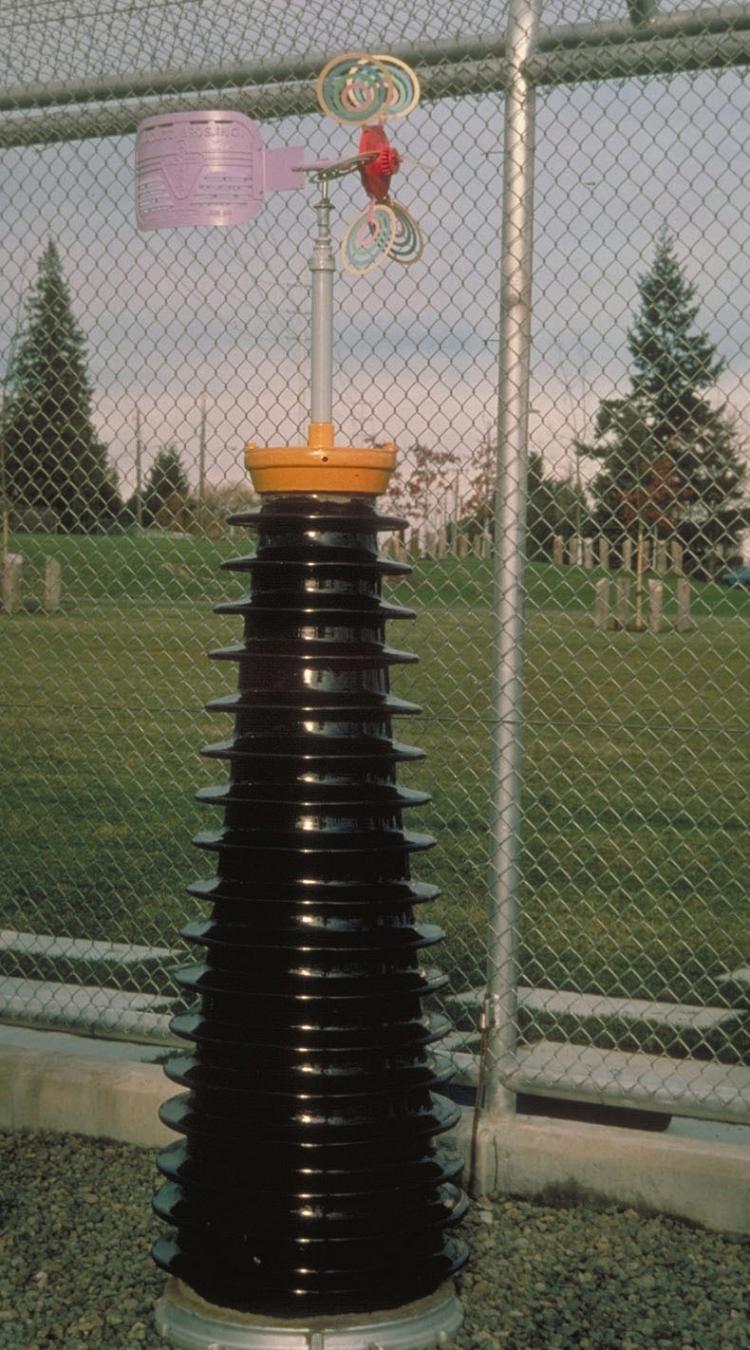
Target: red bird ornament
377, 173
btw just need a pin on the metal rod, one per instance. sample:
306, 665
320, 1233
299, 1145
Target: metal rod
510, 540
704, 39
322, 267
269, 72
665, 56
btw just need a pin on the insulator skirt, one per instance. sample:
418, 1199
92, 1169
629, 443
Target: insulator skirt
308, 1181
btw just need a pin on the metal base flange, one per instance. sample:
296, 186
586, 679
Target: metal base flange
188, 1322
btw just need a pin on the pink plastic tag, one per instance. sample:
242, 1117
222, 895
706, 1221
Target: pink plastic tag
280, 169
205, 168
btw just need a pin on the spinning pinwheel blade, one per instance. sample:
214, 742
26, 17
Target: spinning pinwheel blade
359, 89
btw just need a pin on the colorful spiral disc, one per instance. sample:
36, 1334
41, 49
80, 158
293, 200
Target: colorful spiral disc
405, 90
369, 239
355, 88
408, 242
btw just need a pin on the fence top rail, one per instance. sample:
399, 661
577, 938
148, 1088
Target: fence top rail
269, 73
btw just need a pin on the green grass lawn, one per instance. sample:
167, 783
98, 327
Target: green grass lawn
636, 851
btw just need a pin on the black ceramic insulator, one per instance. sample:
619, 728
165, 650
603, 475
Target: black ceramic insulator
308, 1180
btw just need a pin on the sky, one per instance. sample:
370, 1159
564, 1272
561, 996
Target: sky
170, 314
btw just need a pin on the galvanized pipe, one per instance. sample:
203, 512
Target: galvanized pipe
703, 39
510, 540
649, 55
267, 73
322, 267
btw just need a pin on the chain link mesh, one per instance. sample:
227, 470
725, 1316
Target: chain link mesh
163, 352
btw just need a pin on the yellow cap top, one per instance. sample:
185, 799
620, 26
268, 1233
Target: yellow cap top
320, 466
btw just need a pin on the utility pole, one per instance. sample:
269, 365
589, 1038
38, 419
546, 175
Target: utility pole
4, 485
138, 471
578, 495
202, 451
4, 488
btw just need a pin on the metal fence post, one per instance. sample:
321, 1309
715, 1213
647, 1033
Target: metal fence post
510, 530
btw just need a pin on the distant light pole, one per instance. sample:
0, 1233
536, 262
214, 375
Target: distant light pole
202, 452
138, 471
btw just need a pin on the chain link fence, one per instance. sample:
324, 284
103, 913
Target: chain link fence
134, 367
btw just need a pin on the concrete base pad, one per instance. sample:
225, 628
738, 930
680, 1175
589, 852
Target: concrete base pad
112, 1089
187, 1322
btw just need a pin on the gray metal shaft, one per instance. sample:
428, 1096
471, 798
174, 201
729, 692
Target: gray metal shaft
552, 41
704, 39
510, 543
322, 268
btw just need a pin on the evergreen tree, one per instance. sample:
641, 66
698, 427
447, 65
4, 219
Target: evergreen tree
54, 460
670, 461
166, 491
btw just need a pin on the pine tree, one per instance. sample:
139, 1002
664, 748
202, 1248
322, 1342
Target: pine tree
166, 491
54, 459
670, 461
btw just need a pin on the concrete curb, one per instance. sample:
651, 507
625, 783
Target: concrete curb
113, 1089
705, 1180
108, 1089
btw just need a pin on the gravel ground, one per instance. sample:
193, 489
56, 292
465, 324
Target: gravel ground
75, 1270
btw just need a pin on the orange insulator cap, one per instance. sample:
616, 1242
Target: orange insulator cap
320, 466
